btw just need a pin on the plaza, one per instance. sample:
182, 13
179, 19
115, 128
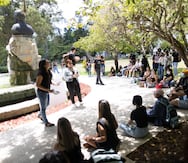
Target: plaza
29, 141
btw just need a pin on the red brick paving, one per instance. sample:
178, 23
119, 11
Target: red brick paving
9, 124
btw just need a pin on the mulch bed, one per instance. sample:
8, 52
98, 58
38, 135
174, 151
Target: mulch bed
169, 146
9, 124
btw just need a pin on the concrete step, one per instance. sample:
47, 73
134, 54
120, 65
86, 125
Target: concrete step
18, 109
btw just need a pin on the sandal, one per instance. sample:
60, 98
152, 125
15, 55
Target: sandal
49, 124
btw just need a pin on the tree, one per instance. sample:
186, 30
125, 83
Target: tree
136, 23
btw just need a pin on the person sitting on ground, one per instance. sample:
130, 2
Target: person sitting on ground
179, 95
152, 80
136, 69
157, 113
143, 79
112, 72
54, 157
168, 78
68, 141
137, 126
106, 137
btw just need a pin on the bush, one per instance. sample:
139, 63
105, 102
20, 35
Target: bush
3, 69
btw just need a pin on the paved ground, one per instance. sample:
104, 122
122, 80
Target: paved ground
28, 142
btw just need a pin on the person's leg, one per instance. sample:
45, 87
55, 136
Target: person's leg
129, 131
77, 90
98, 74
175, 66
70, 87
44, 101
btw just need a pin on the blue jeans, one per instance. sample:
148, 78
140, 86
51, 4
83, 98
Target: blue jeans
44, 102
134, 131
175, 68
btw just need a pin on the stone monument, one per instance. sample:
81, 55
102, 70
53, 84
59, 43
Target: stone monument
22, 50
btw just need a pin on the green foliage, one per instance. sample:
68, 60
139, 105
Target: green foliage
4, 2
125, 25
3, 69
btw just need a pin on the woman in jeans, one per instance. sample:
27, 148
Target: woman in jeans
43, 83
139, 116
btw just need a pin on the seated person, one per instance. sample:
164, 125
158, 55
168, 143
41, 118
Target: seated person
157, 113
179, 95
143, 79
106, 136
54, 157
138, 124
68, 141
136, 68
168, 77
112, 72
152, 80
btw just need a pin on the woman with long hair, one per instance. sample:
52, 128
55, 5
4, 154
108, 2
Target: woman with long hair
106, 126
68, 141
70, 75
43, 82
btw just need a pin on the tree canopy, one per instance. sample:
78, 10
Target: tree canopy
121, 25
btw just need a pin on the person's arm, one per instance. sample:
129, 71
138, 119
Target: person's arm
39, 86
102, 137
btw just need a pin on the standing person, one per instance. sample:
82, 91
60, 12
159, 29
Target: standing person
106, 136
175, 61
72, 56
102, 66
116, 63
145, 64
88, 67
43, 82
156, 60
161, 66
97, 66
138, 124
70, 75
68, 141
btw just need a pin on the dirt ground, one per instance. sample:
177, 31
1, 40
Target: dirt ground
169, 146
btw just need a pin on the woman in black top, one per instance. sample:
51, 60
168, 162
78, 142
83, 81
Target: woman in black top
43, 82
106, 126
138, 124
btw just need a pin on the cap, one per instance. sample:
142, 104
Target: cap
185, 71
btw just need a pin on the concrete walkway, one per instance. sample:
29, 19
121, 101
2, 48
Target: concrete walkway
28, 142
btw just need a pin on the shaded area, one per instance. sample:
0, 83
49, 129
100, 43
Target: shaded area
167, 146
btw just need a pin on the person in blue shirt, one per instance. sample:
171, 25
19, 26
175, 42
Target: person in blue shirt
157, 113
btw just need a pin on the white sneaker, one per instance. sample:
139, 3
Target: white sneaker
81, 103
73, 106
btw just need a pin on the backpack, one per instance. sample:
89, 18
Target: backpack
110, 156
172, 119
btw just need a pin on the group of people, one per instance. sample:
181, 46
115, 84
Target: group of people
68, 147
44, 81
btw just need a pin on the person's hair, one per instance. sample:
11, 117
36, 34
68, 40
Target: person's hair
66, 137
158, 93
137, 100
73, 48
54, 157
105, 112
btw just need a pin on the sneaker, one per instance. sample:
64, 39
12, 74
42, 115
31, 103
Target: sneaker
81, 103
49, 124
74, 106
